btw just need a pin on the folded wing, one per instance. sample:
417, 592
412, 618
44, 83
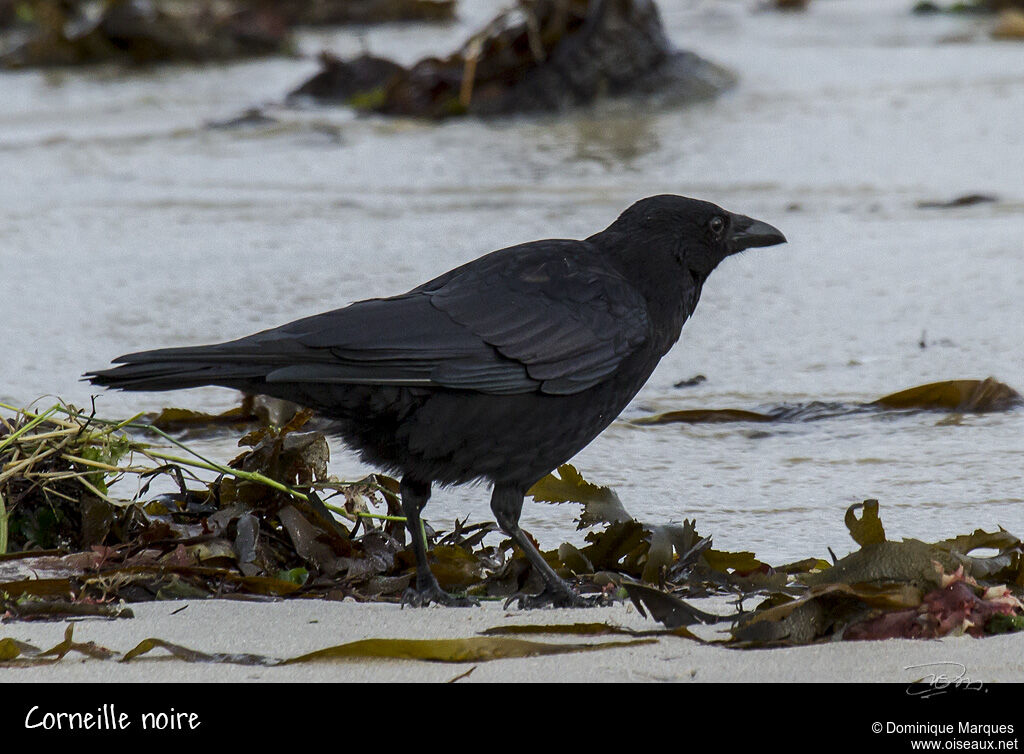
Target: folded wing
549, 316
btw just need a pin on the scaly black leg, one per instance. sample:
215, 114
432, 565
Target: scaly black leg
507, 504
415, 495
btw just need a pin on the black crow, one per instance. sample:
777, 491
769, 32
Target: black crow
499, 370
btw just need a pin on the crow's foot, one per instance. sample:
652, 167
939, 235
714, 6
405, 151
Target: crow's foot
416, 597
554, 597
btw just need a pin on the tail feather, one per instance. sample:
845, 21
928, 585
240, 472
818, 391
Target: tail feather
178, 368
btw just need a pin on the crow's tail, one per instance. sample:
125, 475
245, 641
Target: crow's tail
177, 368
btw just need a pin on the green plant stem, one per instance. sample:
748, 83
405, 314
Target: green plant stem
249, 476
202, 463
382, 516
37, 419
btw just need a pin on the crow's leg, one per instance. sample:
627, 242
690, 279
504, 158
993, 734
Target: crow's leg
507, 504
415, 495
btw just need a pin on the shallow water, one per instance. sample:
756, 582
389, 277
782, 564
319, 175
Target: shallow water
127, 223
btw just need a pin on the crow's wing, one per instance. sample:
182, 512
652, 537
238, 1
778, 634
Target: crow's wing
548, 316
554, 307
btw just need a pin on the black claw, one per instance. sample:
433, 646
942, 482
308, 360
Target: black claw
556, 598
423, 597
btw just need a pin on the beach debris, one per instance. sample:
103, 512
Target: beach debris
359, 81
959, 396
251, 118
697, 379
965, 396
566, 484
786, 5
959, 606
648, 552
1010, 25
14, 653
272, 523
965, 200
344, 12
141, 32
908, 589
540, 56
967, 7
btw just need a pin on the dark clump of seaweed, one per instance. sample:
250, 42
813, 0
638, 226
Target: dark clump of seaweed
953, 396
886, 589
967, 7
259, 527
137, 32
72, 32
539, 56
272, 523
1009, 25
343, 12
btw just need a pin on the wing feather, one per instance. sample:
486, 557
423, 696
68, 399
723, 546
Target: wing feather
550, 316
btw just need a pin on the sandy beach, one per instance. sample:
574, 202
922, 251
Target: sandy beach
289, 629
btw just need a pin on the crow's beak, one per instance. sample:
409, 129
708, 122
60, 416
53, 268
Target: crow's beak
746, 233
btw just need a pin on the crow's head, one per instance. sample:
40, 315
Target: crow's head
667, 234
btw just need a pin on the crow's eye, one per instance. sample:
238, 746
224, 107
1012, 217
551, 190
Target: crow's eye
717, 225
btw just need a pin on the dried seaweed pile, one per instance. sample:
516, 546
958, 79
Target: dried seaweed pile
967, 7
335, 12
956, 396
259, 527
76, 32
884, 590
65, 32
273, 524
537, 56
540, 56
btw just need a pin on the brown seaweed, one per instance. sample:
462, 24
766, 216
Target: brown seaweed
543, 56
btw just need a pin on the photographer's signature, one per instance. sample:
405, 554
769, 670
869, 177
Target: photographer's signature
944, 676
